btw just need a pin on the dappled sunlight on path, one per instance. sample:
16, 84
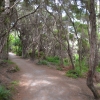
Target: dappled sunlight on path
43, 83
12, 54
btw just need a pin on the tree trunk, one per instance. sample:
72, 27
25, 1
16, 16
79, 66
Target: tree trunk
32, 55
4, 26
70, 54
90, 84
93, 49
4, 53
24, 52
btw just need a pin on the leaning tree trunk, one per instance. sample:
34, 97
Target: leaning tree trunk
93, 50
4, 26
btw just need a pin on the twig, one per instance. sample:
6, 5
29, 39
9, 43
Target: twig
14, 4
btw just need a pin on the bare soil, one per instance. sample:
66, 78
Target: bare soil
7, 73
44, 83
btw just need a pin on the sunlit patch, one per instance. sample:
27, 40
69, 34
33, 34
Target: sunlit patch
40, 82
32, 83
73, 87
11, 53
53, 77
26, 83
28, 75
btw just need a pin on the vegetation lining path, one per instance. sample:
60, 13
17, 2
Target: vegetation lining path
43, 83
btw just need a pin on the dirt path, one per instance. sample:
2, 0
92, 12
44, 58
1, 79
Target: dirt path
43, 83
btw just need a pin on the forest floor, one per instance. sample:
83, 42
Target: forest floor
37, 82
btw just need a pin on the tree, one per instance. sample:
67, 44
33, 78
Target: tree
93, 49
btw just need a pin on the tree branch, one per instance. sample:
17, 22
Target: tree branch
25, 16
20, 19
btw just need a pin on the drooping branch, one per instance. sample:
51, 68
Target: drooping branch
28, 13
18, 20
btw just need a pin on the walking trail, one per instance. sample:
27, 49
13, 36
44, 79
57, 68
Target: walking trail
44, 83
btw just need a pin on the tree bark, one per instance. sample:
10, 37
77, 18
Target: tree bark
93, 49
33, 52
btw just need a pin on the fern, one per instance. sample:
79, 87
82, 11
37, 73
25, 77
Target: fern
4, 93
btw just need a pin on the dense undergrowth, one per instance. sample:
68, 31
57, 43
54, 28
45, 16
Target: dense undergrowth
53, 60
80, 70
15, 44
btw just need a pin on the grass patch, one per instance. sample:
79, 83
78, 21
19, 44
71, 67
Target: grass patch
15, 83
12, 85
4, 93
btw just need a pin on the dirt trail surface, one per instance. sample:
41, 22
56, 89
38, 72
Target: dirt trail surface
43, 83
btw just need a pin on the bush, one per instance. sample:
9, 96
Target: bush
16, 68
65, 61
42, 62
53, 60
59, 68
4, 93
83, 67
8, 61
79, 70
98, 69
73, 73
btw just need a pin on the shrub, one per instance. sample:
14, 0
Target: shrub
79, 70
4, 93
42, 62
83, 67
19, 51
59, 68
8, 61
16, 68
53, 60
73, 73
65, 61
15, 82
98, 69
